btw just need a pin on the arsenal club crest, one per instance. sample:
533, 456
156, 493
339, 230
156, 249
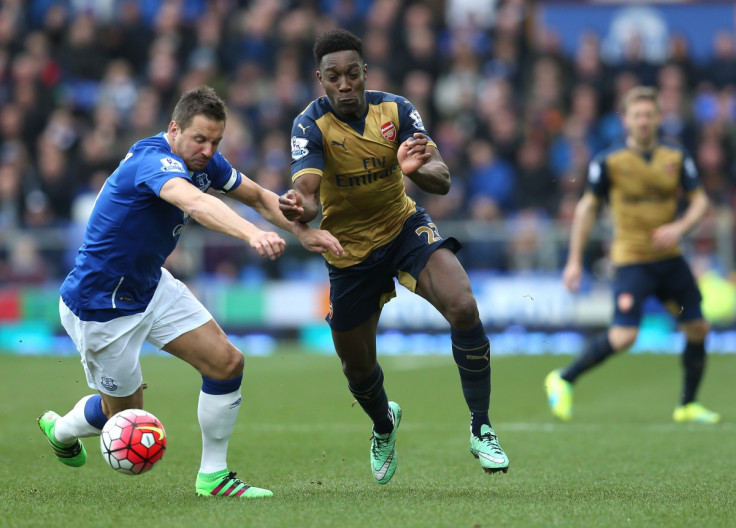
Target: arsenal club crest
388, 130
625, 301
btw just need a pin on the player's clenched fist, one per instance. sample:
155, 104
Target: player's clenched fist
290, 204
413, 153
268, 244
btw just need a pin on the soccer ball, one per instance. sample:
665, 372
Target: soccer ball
133, 441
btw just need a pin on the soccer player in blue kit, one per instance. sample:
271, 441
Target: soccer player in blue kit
118, 296
350, 152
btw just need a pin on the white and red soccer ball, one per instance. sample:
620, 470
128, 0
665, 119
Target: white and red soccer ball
133, 441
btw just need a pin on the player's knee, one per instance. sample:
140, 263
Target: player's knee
462, 312
696, 331
356, 371
622, 339
230, 364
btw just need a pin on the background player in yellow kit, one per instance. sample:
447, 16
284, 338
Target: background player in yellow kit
642, 180
350, 152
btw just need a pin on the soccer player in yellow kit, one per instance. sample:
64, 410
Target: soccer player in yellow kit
642, 179
350, 152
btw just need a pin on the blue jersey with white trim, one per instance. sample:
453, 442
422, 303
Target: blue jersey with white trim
132, 231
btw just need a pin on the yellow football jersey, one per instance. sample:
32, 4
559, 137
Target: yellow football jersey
364, 203
643, 191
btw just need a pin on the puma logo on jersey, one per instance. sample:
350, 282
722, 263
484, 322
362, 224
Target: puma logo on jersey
338, 144
304, 128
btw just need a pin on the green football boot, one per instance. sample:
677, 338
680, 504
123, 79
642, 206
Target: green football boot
225, 484
72, 454
695, 413
384, 458
559, 395
488, 451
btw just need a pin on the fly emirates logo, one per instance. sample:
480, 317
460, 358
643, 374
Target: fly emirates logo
374, 169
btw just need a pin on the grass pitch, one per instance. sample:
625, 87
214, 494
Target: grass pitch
620, 462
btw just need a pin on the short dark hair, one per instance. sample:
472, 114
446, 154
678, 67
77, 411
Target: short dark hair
336, 40
199, 101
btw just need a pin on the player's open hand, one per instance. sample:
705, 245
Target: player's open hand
290, 204
320, 241
413, 153
666, 236
268, 244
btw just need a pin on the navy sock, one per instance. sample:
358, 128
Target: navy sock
595, 352
693, 363
472, 353
372, 398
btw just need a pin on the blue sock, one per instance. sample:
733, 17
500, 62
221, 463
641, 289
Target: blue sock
472, 353
372, 398
213, 386
93, 412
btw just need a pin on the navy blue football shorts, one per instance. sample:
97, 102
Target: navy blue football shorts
359, 291
671, 281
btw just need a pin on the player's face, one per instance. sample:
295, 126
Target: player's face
642, 122
197, 143
342, 75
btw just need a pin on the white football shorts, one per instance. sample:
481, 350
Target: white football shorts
110, 351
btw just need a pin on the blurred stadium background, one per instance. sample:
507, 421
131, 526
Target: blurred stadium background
517, 94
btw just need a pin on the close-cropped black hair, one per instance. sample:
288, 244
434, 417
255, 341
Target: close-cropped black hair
199, 101
336, 40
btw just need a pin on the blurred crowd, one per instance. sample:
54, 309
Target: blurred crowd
515, 117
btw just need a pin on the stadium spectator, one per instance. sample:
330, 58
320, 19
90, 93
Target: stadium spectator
490, 176
720, 69
536, 188
470, 69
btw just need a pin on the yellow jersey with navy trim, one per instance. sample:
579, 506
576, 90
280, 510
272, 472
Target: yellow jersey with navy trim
643, 192
364, 202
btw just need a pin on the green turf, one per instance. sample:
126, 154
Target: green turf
621, 462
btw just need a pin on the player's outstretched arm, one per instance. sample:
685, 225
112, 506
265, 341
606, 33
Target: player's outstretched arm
267, 204
583, 220
424, 165
216, 215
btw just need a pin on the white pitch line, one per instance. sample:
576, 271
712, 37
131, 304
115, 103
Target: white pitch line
531, 427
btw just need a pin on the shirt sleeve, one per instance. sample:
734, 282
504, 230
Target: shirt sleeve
306, 147
410, 122
689, 178
598, 181
158, 168
224, 176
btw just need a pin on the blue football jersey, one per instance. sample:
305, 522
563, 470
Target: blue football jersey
132, 231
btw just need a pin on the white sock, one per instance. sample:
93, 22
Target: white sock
217, 414
74, 425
